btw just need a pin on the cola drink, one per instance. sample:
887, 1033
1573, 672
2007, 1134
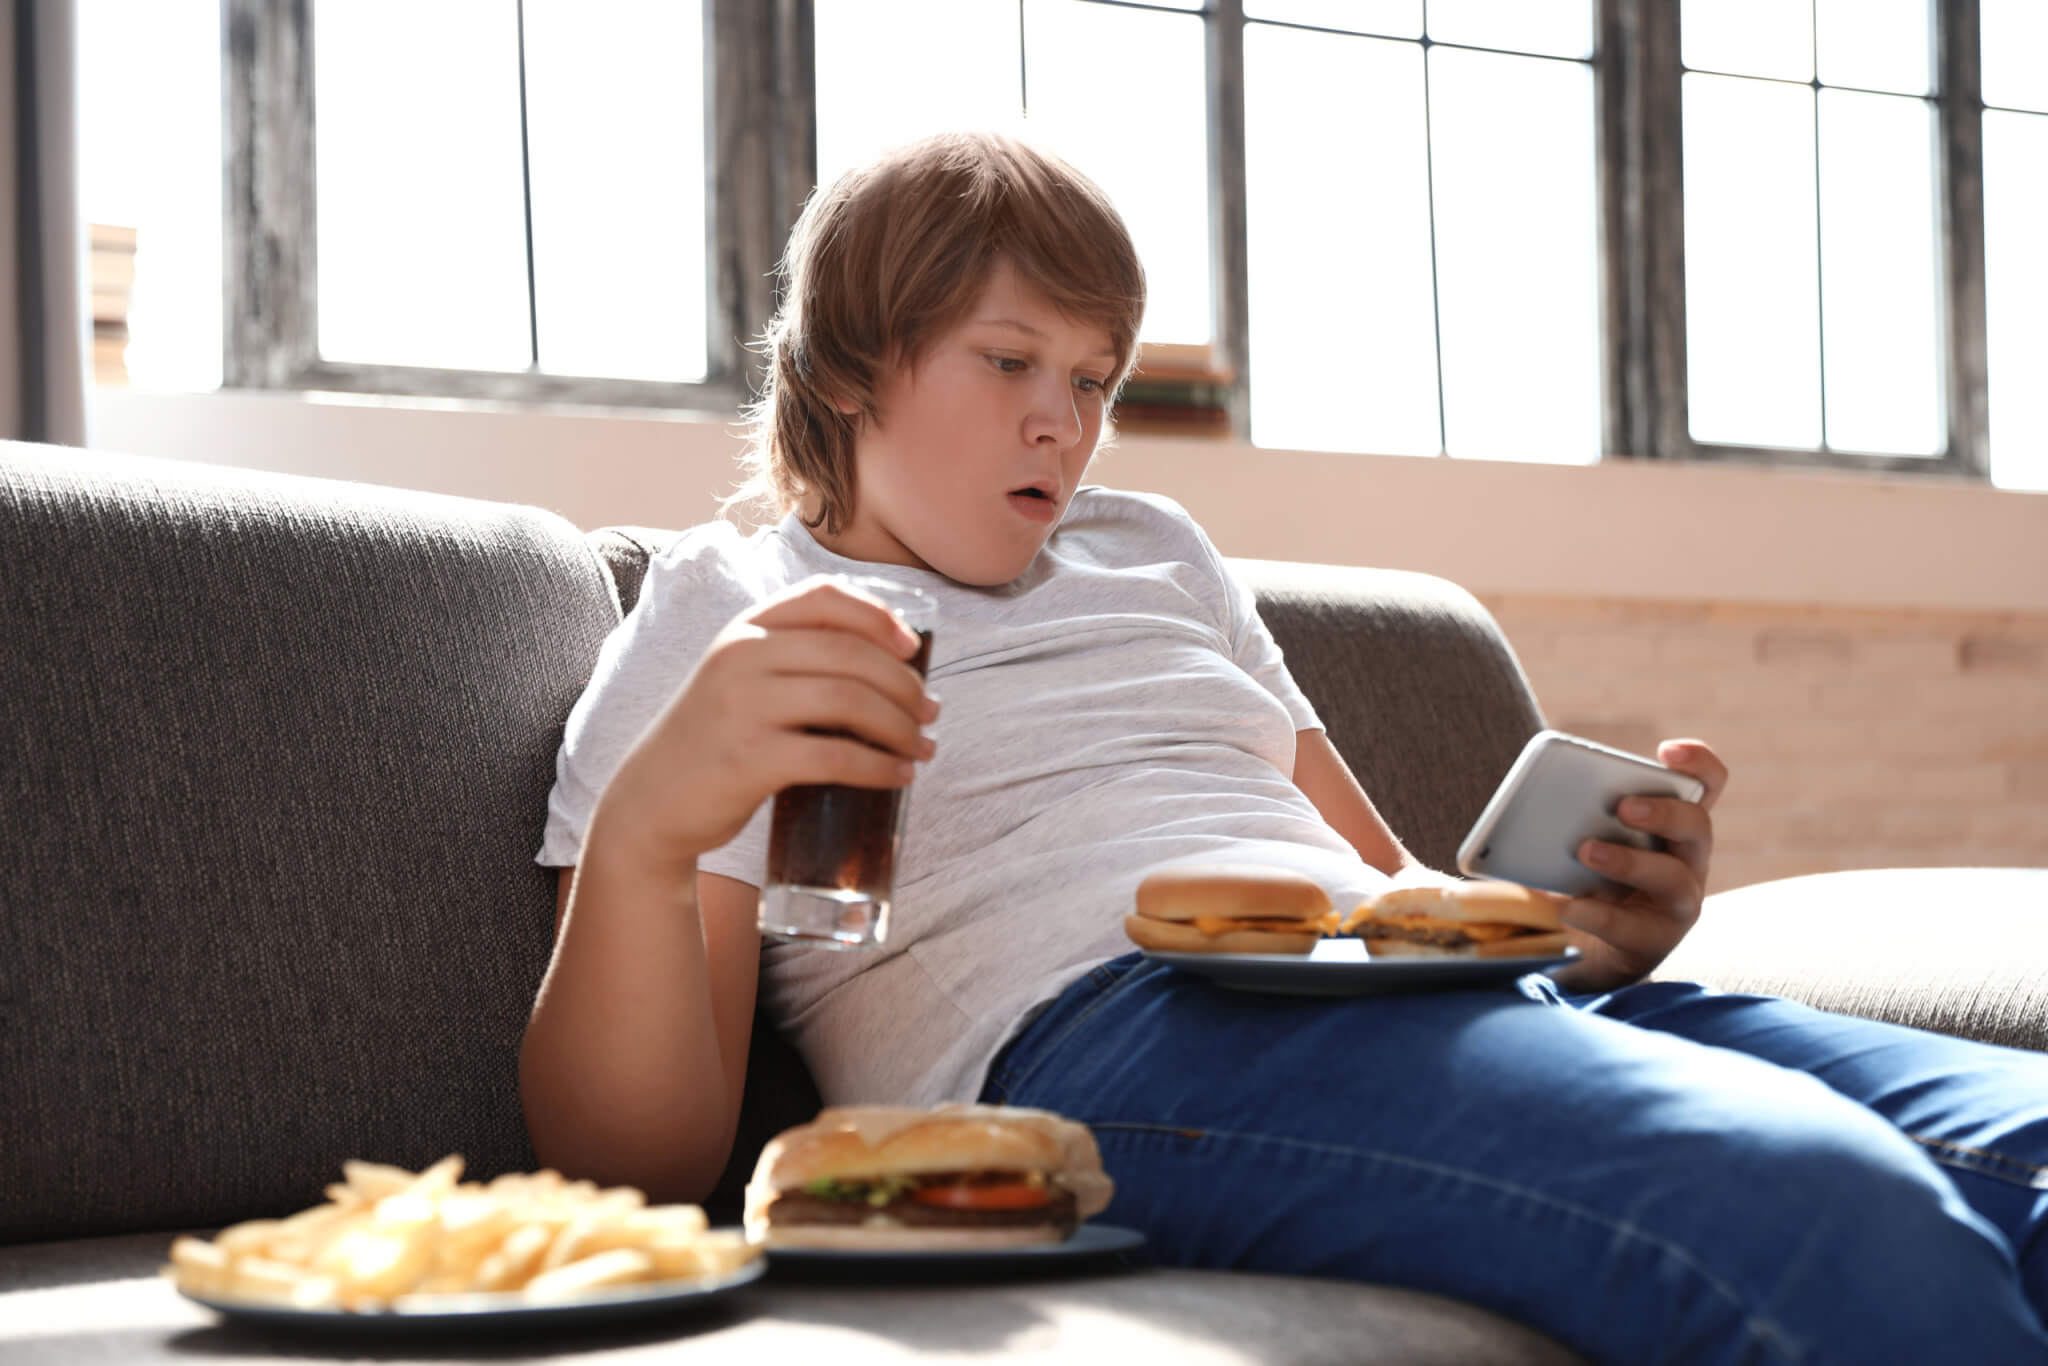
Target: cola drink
831, 848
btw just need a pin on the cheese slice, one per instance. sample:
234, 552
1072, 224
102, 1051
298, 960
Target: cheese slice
1221, 924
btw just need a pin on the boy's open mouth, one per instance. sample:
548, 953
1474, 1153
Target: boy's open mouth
1034, 502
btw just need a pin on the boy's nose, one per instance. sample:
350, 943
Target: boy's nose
1054, 416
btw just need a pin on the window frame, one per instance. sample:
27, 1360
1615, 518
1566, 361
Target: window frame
1638, 80
759, 138
760, 159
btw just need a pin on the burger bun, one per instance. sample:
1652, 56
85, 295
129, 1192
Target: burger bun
1165, 936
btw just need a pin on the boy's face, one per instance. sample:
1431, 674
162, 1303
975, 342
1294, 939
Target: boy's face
980, 444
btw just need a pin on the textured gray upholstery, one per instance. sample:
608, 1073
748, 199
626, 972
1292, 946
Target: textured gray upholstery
1960, 951
274, 755
99, 1300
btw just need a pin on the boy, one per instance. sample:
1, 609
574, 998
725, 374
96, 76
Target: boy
1650, 1173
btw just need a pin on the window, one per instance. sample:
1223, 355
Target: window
542, 199
149, 176
1424, 268
1766, 230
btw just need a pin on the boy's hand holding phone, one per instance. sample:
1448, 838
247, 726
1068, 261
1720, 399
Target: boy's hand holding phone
1630, 897
1627, 930
777, 699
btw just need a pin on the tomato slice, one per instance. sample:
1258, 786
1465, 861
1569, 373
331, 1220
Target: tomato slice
992, 1195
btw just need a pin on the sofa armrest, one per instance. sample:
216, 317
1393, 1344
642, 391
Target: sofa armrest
1960, 951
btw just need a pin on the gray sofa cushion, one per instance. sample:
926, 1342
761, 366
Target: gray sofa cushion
230, 699
99, 1300
1960, 951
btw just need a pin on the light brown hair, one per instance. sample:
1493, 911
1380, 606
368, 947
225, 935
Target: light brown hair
895, 252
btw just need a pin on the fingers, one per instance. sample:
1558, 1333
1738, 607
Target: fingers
1640, 936
1696, 757
821, 605
806, 758
839, 656
826, 704
1670, 877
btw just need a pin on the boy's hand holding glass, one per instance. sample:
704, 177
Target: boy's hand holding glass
832, 846
813, 686
1623, 938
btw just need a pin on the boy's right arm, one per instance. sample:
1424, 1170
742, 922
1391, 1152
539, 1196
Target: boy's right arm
635, 1055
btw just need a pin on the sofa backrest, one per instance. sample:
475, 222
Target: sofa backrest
274, 754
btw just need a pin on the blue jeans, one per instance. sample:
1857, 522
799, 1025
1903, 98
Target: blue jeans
1663, 1173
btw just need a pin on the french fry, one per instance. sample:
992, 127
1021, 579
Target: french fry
374, 1180
261, 1279
620, 1266
250, 1239
391, 1238
517, 1258
199, 1266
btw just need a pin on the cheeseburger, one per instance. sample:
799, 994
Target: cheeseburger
1459, 920
1229, 908
893, 1178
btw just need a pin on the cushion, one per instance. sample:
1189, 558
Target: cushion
100, 1300
230, 700
1960, 951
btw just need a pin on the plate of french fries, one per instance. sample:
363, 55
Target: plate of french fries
394, 1248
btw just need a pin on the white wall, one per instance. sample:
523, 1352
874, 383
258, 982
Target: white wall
1619, 530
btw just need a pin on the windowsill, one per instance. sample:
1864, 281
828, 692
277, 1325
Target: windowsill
1618, 530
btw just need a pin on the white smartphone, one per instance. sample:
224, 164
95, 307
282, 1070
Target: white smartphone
1562, 791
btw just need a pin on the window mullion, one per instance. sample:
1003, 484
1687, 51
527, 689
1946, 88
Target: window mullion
1961, 115
1643, 223
759, 116
269, 255
1228, 251
526, 199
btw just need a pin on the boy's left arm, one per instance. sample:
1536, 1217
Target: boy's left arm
1326, 780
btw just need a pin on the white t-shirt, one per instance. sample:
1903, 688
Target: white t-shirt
1117, 707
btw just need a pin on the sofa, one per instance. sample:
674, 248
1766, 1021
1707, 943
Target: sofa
274, 756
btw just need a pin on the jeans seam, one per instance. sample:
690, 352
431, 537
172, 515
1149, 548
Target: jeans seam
1762, 1330
1984, 1162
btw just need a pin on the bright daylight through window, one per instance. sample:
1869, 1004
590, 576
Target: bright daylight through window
1404, 255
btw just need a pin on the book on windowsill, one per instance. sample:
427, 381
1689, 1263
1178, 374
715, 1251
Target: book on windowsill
109, 352
111, 268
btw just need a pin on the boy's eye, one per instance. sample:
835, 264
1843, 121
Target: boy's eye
1009, 365
1088, 384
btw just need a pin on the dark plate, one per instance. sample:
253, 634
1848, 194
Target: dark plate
1094, 1247
491, 1313
1324, 973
